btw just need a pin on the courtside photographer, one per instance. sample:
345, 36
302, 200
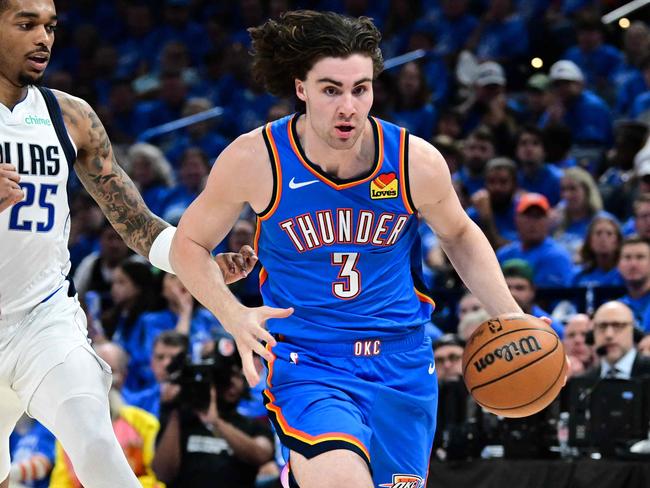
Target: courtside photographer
206, 442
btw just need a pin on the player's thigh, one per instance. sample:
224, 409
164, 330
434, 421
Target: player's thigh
331, 469
10, 411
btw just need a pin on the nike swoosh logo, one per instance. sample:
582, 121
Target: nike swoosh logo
432, 368
294, 186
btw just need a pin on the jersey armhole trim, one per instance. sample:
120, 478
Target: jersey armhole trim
404, 170
272, 149
54, 109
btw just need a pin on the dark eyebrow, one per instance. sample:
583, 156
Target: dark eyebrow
32, 15
339, 84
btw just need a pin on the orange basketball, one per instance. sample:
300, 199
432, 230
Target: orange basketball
514, 365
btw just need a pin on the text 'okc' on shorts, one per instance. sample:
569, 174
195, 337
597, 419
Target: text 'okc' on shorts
375, 397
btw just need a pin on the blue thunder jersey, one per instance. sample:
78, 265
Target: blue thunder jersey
344, 253
34, 232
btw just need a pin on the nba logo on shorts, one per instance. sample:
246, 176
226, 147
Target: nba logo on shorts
404, 481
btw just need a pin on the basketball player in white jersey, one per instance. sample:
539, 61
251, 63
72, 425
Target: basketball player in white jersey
47, 367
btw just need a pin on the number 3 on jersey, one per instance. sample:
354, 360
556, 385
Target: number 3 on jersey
351, 284
30, 194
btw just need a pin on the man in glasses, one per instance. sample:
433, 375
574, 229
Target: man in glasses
614, 341
448, 355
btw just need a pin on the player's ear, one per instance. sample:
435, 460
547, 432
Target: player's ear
300, 90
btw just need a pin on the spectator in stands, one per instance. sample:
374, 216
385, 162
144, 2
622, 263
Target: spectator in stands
166, 107
450, 150
193, 172
478, 149
135, 429
536, 99
413, 108
550, 262
600, 253
178, 26
557, 142
634, 266
614, 334
151, 172
121, 107
159, 398
644, 345
641, 105
599, 62
134, 292
640, 224
85, 229
493, 207
617, 183
433, 66
448, 355
585, 112
629, 80
470, 322
581, 355
206, 441
500, 35
95, 272
580, 203
487, 105
519, 278
453, 26
534, 174
468, 304
201, 134
32, 454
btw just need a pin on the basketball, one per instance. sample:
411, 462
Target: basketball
514, 365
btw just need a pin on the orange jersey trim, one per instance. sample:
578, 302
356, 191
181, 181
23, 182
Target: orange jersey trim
424, 298
263, 276
378, 162
299, 434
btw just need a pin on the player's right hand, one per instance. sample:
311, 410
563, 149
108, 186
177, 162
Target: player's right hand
10, 191
249, 331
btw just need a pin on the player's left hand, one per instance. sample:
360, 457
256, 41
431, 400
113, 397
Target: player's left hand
235, 266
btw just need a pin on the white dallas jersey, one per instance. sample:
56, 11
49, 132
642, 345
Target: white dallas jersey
35, 261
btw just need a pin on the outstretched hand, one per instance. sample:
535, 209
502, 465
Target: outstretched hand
248, 333
10, 191
235, 266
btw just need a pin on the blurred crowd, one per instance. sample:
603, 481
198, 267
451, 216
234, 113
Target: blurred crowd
540, 110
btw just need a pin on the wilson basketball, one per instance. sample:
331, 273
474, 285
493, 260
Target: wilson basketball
514, 365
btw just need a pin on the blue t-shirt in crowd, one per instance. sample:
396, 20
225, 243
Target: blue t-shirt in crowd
452, 34
536, 311
597, 277
504, 220
37, 440
640, 105
545, 180
640, 308
551, 263
589, 118
507, 39
600, 64
631, 86
573, 236
471, 183
420, 121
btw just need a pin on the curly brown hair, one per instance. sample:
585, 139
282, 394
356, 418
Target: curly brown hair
287, 48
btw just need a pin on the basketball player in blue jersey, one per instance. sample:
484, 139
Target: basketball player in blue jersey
351, 388
47, 367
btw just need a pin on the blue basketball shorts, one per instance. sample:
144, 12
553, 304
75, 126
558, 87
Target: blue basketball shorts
377, 398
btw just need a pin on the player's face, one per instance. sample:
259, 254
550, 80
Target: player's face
338, 95
26, 38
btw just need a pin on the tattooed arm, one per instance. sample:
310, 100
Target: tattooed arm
105, 180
